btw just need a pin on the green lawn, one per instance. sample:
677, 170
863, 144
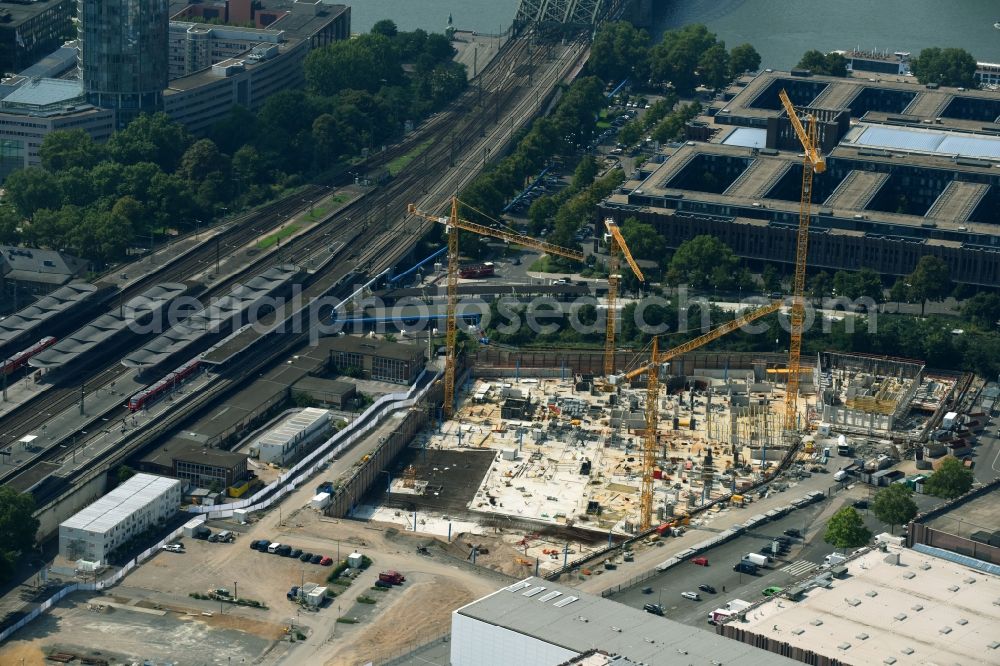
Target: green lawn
281, 234
398, 164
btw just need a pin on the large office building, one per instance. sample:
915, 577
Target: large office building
140, 503
30, 30
123, 54
536, 622
911, 171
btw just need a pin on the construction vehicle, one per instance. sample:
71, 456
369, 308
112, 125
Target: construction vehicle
616, 246
453, 224
652, 390
812, 163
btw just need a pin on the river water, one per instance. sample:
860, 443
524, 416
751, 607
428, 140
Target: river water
781, 31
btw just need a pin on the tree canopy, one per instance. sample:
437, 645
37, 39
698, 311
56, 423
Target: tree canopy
17, 528
894, 505
951, 479
846, 529
930, 280
743, 58
703, 261
620, 51
829, 64
946, 67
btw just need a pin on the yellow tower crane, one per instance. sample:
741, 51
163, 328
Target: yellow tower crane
812, 163
652, 389
616, 245
453, 224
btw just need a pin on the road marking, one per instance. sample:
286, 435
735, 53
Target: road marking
799, 567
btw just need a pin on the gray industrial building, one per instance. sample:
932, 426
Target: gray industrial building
911, 171
536, 622
378, 359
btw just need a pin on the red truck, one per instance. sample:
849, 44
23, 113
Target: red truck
392, 577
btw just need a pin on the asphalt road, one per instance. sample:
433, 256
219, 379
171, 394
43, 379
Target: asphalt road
802, 559
987, 452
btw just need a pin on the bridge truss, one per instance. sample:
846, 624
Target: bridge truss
567, 13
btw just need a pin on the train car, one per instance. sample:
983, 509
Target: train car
20, 359
151, 393
477, 270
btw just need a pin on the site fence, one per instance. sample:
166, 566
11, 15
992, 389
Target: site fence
305, 469
263, 499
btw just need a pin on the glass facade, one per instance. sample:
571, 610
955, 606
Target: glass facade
123, 54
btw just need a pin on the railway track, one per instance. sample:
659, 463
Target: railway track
376, 245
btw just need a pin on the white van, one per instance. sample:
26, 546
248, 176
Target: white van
273, 547
840, 475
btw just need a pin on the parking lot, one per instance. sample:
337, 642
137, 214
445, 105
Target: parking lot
803, 557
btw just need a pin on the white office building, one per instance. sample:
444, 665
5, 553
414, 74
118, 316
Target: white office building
133, 507
282, 443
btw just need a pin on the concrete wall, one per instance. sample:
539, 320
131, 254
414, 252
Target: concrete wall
855, 418
918, 533
50, 517
776, 646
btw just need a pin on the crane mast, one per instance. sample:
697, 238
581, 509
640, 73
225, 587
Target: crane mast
616, 246
812, 163
453, 223
651, 444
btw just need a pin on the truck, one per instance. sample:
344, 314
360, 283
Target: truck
839, 475
756, 558
834, 558
718, 615
392, 577
746, 566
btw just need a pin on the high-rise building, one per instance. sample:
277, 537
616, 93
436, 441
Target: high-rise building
123, 54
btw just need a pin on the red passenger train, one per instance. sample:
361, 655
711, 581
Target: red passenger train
152, 392
20, 359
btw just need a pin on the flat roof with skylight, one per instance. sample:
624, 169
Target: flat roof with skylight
923, 610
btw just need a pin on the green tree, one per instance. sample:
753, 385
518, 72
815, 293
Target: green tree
32, 189
124, 473
643, 240
930, 280
951, 479
17, 527
900, 291
150, 138
697, 259
713, 66
983, 309
946, 67
202, 160
620, 51
675, 58
585, 172
743, 58
386, 28
830, 64
821, 285
367, 62
63, 149
894, 505
771, 278
846, 529
10, 222
868, 284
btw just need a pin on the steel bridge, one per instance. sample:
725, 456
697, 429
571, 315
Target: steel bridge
567, 13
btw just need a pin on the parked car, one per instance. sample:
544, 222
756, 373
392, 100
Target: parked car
173, 548
700, 561
860, 504
296, 553
284, 550
655, 609
259, 544
305, 557
773, 590
316, 559
693, 596
326, 561
792, 532
705, 587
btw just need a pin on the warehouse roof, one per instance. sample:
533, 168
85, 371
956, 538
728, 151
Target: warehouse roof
193, 452
108, 325
922, 610
120, 503
293, 426
44, 310
577, 621
209, 320
28, 264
